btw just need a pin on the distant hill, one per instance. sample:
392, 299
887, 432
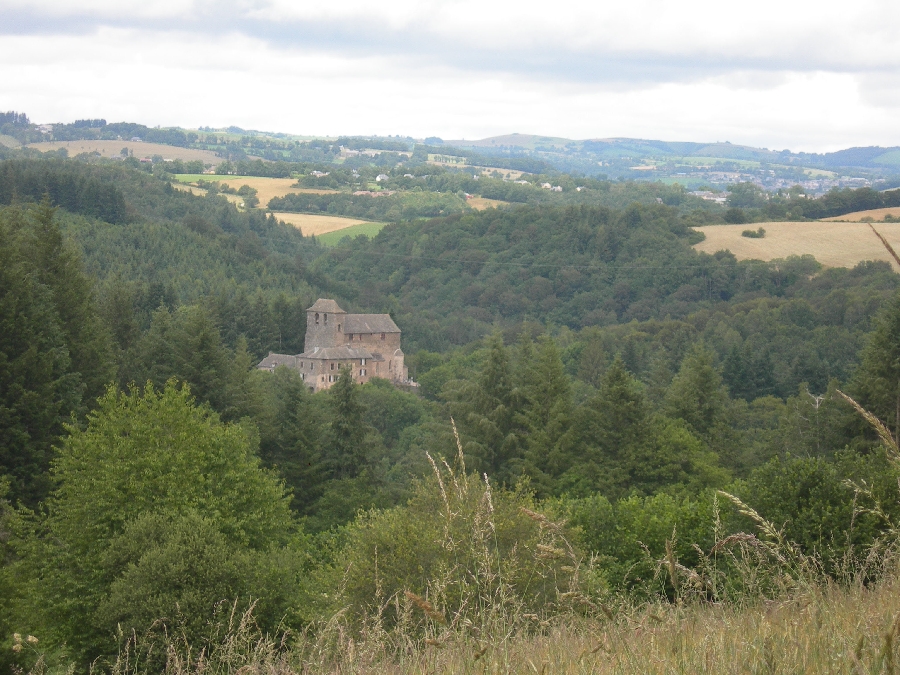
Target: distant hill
874, 157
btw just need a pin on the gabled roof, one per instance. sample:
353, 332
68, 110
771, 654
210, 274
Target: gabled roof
369, 323
325, 305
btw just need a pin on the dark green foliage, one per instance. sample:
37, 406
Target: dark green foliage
54, 353
186, 345
291, 431
393, 208
76, 188
810, 498
877, 382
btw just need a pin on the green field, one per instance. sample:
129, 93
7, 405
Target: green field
333, 238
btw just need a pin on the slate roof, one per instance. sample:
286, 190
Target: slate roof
274, 360
341, 352
325, 305
369, 323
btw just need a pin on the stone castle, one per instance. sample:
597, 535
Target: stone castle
368, 344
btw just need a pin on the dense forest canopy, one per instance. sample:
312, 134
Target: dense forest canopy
575, 362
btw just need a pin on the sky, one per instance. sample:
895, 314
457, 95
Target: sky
782, 74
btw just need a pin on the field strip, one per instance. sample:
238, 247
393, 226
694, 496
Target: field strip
482, 203
832, 244
139, 150
874, 214
314, 224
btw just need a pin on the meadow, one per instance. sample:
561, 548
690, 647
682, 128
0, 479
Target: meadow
834, 244
138, 149
334, 237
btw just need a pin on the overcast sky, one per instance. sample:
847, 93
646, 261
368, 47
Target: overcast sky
805, 75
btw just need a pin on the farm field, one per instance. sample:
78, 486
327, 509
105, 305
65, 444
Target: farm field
482, 203
314, 224
140, 150
874, 214
832, 244
237, 200
334, 238
266, 188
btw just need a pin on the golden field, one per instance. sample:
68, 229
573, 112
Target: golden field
140, 150
310, 224
874, 214
834, 244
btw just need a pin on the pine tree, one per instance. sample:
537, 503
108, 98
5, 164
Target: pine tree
546, 412
876, 382
347, 429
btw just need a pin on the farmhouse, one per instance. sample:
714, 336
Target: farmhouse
367, 344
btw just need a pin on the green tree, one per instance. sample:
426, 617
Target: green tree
876, 382
58, 267
488, 410
347, 428
154, 452
547, 409
291, 433
697, 394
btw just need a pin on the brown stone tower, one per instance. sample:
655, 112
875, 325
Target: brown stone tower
324, 325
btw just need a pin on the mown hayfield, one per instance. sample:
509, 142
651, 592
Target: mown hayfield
832, 244
140, 150
482, 203
875, 214
314, 224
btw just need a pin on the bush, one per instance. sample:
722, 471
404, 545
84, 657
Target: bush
460, 552
754, 234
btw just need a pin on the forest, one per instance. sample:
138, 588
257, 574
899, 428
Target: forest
606, 420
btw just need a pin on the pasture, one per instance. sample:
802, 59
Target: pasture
334, 238
875, 214
138, 149
315, 224
832, 244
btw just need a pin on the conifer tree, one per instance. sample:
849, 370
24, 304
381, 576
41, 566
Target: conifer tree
876, 382
347, 428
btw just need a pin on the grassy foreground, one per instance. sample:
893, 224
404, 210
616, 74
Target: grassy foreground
827, 629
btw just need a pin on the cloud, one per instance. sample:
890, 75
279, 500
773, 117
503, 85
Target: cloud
694, 70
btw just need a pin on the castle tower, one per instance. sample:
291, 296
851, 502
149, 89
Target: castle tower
324, 325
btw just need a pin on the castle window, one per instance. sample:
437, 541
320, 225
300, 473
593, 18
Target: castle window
382, 336
317, 318
302, 376
339, 328
350, 337
325, 318
332, 366
362, 362
362, 373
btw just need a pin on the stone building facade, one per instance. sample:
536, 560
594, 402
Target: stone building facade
368, 344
